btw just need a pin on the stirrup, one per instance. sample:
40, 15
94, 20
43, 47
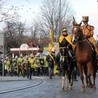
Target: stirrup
97, 56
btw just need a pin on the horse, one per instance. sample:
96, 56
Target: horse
67, 67
85, 57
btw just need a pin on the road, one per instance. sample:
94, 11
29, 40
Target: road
42, 87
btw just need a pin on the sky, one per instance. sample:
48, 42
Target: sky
28, 9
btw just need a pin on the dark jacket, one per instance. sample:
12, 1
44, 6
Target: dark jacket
50, 60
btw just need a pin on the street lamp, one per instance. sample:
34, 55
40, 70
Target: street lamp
59, 17
2, 49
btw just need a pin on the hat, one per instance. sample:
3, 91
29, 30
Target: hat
85, 18
21, 55
64, 30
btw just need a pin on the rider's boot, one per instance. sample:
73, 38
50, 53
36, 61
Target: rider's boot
95, 51
97, 56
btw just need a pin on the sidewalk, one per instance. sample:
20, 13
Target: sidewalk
13, 78
16, 78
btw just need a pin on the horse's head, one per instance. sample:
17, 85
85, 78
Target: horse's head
77, 34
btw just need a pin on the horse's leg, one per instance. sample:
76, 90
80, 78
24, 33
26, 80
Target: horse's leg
70, 80
63, 82
79, 66
50, 73
85, 72
67, 81
94, 76
94, 73
89, 72
63, 77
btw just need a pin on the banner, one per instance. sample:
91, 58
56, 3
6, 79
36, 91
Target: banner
51, 34
1, 39
50, 46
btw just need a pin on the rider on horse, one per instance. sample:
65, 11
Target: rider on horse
65, 43
88, 32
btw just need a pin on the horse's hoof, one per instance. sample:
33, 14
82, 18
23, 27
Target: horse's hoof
82, 89
91, 86
66, 88
71, 84
63, 88
87, 86
75, 80
94, 87
70, 88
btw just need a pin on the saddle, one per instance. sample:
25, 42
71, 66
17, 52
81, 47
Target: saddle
93, 48
91, 45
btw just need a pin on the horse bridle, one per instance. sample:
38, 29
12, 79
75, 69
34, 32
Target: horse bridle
79, 37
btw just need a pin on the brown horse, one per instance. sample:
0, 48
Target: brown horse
85, 57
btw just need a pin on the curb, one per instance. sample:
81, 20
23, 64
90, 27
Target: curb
10, 79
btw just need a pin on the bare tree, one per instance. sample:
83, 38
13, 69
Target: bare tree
34, 29
14, 34
55, 14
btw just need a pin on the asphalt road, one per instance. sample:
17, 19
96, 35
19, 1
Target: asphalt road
42, 87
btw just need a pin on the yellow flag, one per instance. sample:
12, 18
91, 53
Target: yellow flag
51, 34
50, 47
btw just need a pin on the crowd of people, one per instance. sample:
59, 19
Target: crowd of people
24, 64
31, 65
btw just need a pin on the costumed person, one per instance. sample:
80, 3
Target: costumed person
50, 59
37, 65
19, 62
88, 32
32, 63
42, 63
7, 66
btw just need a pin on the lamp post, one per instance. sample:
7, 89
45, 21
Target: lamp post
97, 34
2, 49
59, 17
3, 68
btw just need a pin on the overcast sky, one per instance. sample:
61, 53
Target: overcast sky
28, 9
